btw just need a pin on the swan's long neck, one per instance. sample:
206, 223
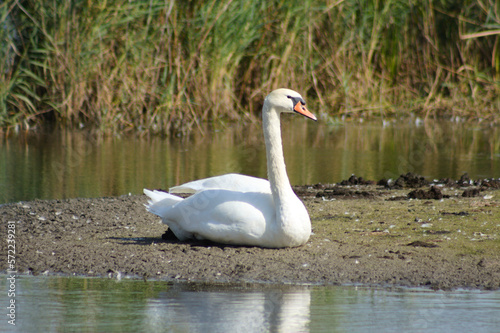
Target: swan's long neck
276, 170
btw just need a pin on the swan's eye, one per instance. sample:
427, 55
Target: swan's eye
295, 100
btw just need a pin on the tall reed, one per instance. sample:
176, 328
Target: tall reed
167, 66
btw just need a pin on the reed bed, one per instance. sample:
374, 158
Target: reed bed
169, 66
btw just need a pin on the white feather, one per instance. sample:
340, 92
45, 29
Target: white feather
238, 209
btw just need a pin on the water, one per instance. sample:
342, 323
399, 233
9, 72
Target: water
61, 304
63, 164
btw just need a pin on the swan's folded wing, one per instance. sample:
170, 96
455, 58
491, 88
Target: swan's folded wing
232, 182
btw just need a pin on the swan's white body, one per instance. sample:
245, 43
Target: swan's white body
231, 181
243, 210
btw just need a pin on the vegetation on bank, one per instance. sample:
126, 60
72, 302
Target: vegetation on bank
166, 66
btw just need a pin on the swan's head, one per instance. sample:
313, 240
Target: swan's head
287, 100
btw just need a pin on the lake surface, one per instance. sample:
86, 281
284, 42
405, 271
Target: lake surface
62, 304
64, 164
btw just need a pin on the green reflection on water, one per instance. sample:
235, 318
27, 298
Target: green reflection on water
97, 305
80, 164
63, 304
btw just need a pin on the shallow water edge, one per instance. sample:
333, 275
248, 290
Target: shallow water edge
95, 304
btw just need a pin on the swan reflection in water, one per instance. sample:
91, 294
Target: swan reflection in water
231, 310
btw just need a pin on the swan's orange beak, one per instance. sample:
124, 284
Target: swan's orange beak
301, 108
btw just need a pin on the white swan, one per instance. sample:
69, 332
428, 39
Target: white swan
243, 210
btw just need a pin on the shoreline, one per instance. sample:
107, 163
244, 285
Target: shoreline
363, 233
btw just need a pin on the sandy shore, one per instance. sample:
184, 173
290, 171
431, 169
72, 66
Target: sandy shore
363, 233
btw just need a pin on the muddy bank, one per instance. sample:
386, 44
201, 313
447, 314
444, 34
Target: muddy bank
364, 232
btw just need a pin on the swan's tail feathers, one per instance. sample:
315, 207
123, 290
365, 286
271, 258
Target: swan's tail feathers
160, 201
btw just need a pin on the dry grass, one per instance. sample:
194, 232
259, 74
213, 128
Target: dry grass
166, 67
